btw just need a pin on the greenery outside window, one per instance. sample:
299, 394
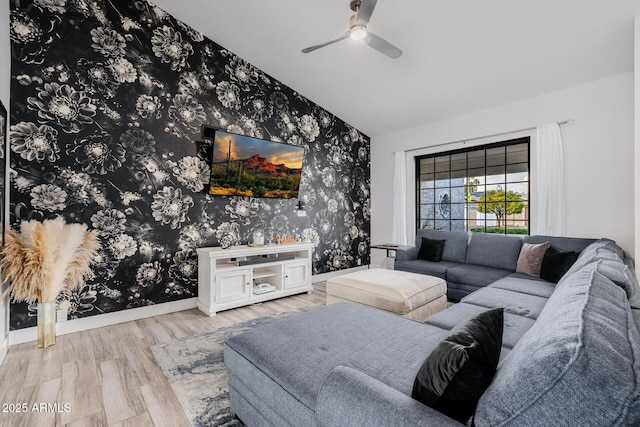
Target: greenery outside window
480, 189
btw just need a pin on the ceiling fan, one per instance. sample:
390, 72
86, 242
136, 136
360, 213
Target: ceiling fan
358, 30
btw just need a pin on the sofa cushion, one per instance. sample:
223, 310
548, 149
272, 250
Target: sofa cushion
455, 246
350, 397
512, 282
623, 275
298, 353
575, 244
530, 258
476, 275
528, 306
457, 291
599, 248
635, 312
620, 274
420, 266
456, 373
608, 254
431, 249
406, 253
494, 250
578, 365
514, 326
523, 276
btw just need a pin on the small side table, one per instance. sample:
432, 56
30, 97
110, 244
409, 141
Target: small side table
390, 248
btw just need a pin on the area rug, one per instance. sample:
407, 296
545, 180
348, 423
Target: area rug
194, 367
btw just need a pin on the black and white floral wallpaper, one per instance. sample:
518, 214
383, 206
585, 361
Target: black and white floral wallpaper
107, 102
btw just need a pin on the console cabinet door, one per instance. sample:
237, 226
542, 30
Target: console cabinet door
233, 285
296, 275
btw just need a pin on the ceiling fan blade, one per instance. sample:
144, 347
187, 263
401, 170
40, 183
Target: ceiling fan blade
364, 11
382, 46
318, 46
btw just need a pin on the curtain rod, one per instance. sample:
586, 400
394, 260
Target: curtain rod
564, 122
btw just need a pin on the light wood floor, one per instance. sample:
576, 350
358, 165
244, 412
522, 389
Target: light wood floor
109, 376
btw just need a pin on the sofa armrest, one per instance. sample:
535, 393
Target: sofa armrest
407, 253
352, 398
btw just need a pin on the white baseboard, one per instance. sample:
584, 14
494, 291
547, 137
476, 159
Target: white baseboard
326, 276
77, 325
4, 347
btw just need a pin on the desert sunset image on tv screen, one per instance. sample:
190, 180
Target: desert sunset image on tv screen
246, 166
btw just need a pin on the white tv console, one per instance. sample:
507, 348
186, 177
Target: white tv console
226, 277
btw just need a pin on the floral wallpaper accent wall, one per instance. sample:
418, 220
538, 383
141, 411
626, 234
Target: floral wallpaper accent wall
107, 102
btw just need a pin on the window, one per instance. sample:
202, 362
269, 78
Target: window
481, 189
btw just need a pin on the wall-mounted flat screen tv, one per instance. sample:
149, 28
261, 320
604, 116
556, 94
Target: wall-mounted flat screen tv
246, 166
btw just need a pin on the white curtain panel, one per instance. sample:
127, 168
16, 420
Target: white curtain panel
399, 213
550, 209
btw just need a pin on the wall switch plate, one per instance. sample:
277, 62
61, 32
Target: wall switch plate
61, 315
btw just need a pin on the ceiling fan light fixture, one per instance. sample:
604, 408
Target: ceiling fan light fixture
358, 32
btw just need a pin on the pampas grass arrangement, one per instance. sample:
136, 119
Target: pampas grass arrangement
46, 258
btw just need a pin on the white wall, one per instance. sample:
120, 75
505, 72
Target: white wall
599, 155
5, 75
637, 134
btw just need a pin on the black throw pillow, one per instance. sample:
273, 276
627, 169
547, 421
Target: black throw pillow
457, 372
431, 250
555, 264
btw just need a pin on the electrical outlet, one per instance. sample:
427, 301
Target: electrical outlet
61, 315
359, 261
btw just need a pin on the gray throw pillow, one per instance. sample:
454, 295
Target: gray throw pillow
530, 259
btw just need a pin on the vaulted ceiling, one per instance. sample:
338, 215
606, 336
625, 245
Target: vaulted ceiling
459, 55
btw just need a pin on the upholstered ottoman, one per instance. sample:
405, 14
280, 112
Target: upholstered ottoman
410, 295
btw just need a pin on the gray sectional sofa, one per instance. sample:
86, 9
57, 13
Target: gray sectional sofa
570, 356
471, 261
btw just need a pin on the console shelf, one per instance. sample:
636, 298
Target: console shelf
226, 276
259, 273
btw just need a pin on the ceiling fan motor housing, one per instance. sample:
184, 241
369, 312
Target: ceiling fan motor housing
358, 31
352, 21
